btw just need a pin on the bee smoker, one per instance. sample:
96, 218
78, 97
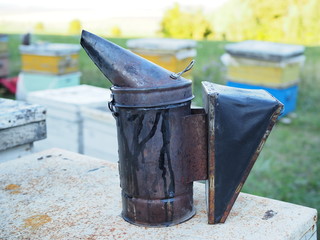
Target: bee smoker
164, 145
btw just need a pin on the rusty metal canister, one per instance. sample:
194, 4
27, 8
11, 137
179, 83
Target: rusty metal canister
150, 158
149, 104
164, 145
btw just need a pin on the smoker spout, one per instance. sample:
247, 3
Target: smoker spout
124, 68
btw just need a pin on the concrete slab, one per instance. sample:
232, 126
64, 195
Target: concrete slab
56, 194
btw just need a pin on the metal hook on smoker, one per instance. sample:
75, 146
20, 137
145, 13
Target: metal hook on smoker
177, 75
111, 106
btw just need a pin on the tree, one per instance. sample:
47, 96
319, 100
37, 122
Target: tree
181, 24
116, 31
39, 28
291, 21
75, 27
310, 22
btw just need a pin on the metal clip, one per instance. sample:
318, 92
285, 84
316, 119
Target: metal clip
177, 75
112, 107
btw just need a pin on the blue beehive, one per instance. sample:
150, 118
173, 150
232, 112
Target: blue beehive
270, 66
288, 96
36, 82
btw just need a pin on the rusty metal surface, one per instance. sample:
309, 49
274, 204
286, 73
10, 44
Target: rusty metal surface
241, 121
124, 68
150, 158
163, 148
57, 194
195, 146
149, 106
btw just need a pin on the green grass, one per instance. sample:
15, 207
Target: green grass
288, 168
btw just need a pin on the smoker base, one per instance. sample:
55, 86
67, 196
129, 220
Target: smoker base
157, 212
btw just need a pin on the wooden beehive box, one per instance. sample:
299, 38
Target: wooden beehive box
264, 63
30, 82
99, 133
64, 119
50, 58
171, 54
21, 124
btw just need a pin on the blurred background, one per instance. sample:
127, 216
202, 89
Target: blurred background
290, 21
288, 167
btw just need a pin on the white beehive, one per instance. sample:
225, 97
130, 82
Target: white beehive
99, 133
64, 118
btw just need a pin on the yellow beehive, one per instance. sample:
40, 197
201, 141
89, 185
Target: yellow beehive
171, 54
265, 73
50, 58
264, 63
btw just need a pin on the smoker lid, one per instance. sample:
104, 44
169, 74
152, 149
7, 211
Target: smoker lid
269, 51
50, 49
152, 97
167, 44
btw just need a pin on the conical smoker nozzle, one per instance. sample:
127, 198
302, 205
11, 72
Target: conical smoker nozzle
136, 81
124, 68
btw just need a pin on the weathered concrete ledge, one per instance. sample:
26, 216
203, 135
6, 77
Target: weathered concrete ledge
57, 194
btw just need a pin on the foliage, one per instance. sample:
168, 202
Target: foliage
116, 31
291, 21
75, 27
181, 24
39, 28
